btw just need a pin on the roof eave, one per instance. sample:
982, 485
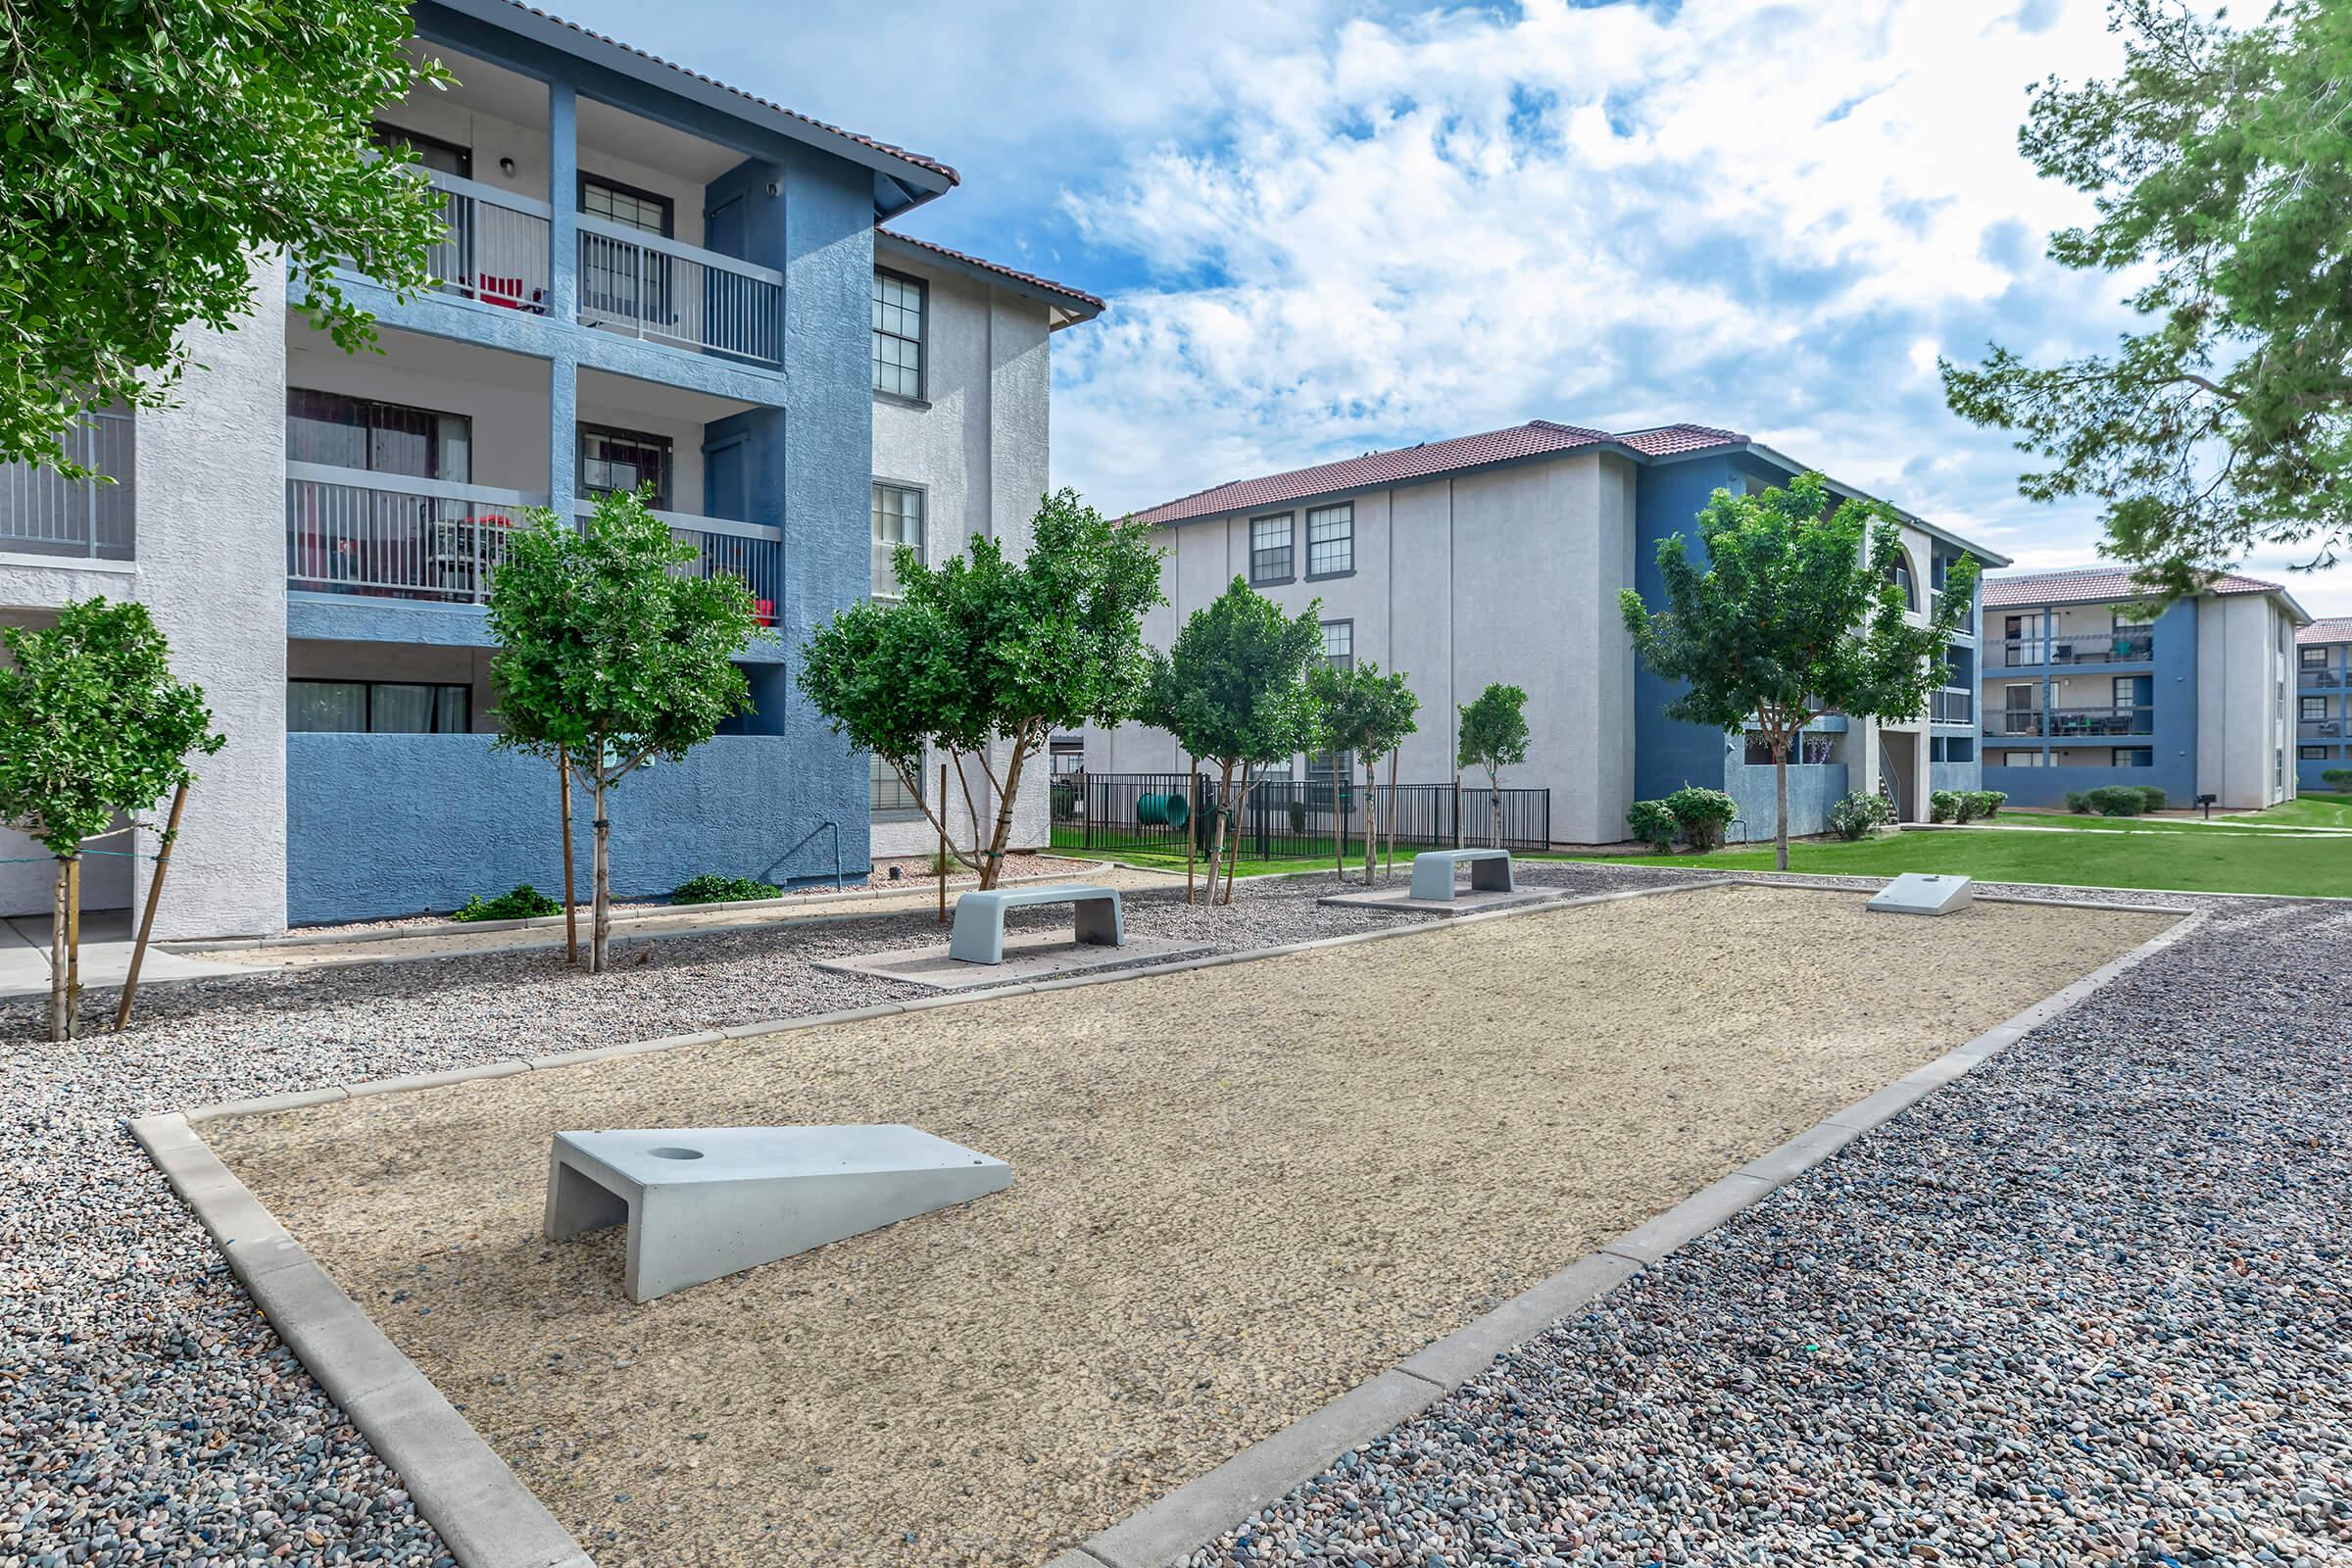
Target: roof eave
1065, 308
1991, 558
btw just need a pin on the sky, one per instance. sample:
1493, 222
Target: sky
1331, 228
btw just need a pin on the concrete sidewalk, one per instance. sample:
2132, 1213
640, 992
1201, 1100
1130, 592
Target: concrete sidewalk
106, 941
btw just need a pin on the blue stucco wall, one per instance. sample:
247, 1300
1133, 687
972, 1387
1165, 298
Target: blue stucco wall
1812, 790
1668, 753
2049, 786
393, 824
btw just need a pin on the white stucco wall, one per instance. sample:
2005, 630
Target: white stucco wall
2245, 695
977, 445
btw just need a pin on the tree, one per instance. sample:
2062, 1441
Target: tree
93, 725
1494, 736
1796, 610
2221, 165
985, 651
610, 655
151, 150
1361, 710
1233, 688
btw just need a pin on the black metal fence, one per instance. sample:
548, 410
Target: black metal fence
1289, 819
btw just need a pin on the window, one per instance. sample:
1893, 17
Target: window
431, 151
1318, 771
898, 521
899, 334
1339, 644
891, 797
2311, 753
2019, 758
2314, 658
1899, 574
1809, 749
2308, 709
1066, 754
1330, 541
613, 461
2135, 756
347, 432
377, 707
626, 205
1270, 549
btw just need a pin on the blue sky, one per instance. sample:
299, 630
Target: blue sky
1330, 229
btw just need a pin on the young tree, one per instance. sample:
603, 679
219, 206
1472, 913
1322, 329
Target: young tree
1233, 688
1361, 710
1794, 611
1494, 736
151, 149
93, 725
2222, 165
611, 656
988, 650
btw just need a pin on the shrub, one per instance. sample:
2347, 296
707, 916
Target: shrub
2338, 778
1989, 802
1702, 815
1297, 814
1943, 806
712, 889
518, 903
2077, 803
2117, 800
1856, 815
2151, 799
1653, 824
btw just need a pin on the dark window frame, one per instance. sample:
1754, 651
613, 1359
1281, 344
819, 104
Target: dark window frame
664, 486
2303, 704
367, 430
1347, 507
922, 340
2311, 753
1331, 659
368, 704
879, 774
922, 545
1289, 548
384, 131
621, 187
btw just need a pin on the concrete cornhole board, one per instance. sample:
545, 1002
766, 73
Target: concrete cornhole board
705, 1201
1924, 893
1031, 956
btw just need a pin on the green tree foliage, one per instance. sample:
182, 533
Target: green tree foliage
93, 725
987, 654
148, 148
1493, 736
608, 650
1795, 607
1233, 688
2221, 165
1360, 709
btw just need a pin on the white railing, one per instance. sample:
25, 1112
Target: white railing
350, 532
42, 512
647, 286
497, 247
750, 551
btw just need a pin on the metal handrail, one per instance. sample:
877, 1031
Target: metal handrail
585, 505
682, 251
409, 485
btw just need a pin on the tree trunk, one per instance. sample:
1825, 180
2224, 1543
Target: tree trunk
571, 918
1495, 806
1372, 818
599, 921
72, 946
1780, 802
57, 955
991, 863
1217, 838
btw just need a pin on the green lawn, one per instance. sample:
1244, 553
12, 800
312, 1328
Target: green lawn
2304, 810
2194, 859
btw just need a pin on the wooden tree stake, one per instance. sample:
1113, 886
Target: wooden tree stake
155, 894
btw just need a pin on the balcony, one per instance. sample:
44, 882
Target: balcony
2319, 677
388, 536
750, 551
2073, 723
1951, 707
497, 247
2317, 729
42, 512
642, 285
2117, 647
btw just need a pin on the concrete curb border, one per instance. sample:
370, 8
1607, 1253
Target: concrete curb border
1205, 1507
485, 1515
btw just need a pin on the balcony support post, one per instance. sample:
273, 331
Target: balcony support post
562, 201
562, 434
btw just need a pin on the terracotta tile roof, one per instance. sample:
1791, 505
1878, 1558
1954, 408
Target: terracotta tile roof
997, 268
1535, 438
2334, 630
2108, 584
918, 159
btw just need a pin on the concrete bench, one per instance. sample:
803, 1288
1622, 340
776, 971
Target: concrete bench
979, 936
1432, 872
704, 1202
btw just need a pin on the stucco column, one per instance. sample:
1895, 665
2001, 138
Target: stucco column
563, 201
212, 570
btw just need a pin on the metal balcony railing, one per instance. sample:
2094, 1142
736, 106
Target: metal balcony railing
2319, 675
750, 551
2073, 723
497, 247
2081, 648
2319, 728
1951, 707
646, 286
42, 512
350, 532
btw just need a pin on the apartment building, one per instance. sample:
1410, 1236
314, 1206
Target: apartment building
2081, 689
1500, 558
649, 279
2323, 699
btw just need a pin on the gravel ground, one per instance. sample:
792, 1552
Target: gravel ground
147, 1414
2090, 1304
1060, 1340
